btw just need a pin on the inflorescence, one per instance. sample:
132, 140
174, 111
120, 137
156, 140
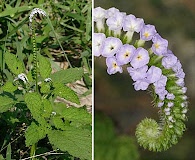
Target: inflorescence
36, 11
155, 66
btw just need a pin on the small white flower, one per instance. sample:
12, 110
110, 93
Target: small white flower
47, 80
53, 113
22, 77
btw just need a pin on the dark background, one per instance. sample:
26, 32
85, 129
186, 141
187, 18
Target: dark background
115, 96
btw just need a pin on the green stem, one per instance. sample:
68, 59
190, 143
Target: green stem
34, 59
32, 151
35, 77
49, 22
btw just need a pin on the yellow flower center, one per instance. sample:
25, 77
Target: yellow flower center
126, 54
111, 47
156, 45
114, 65
139, 57
146, 34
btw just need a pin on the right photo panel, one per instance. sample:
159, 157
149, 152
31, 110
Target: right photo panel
144, 79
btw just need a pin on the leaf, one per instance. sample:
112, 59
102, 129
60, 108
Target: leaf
1, 157
13, 63
110, 146
34, 133
11, 11
126, 148
76, 141
45, 88
73, 114
8, 153
58, 122
9, 87
47, 108
34, 103
68, 75
88, 24
65, 92
87, 80
44, 66
5, 103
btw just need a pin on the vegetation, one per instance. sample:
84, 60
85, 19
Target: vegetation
38, 64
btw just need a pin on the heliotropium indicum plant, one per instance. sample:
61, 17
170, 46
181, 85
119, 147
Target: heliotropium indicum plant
31, 99
150, 64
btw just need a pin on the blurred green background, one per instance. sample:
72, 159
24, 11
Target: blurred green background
115, 98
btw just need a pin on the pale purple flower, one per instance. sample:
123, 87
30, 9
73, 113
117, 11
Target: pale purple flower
153, 74
140, 58
113, 66
170, 104
111, 46
111, 11
180, 73
98, 39
161, 92
160, 104
160, 45
169, 61
167, 109
161, 82
133, 24
139, 73
141, 84
180, 82
99, 14
177, 66
125, 54
147, 32
170, 96
115, 22
99, 18
184, 89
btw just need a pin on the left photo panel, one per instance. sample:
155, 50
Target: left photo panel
46, 80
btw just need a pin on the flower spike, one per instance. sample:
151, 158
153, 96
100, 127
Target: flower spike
155, 66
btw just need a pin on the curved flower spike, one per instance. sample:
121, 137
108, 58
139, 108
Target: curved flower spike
155, 67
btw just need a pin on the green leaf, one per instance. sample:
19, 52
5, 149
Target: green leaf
58, 122
87, 80
5, 103
11, 11
44, 66
47, 108
78, 115
45, 88
8, 153
13, 63
34, 103
76, 141
110, 146
65, 92
126, 148
9, 87
67, 76
1, 157
34, 133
